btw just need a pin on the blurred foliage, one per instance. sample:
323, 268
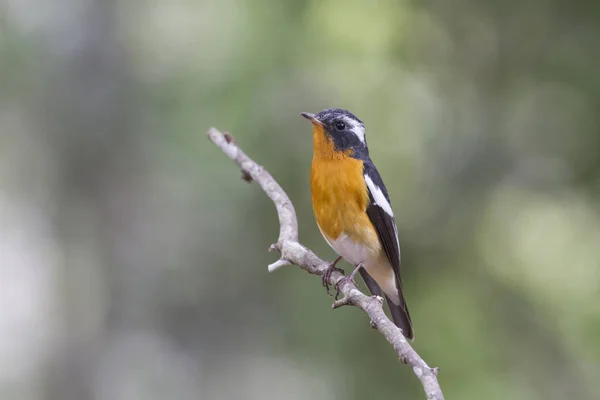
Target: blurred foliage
133, 259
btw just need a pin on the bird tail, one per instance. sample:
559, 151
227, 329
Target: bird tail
401, 317
399, 312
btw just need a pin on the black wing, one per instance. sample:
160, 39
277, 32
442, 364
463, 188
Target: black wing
388, 236
384, 223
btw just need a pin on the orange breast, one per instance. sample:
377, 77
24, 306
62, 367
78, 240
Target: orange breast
339, 194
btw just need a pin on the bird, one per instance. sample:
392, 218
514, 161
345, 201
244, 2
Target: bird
353, 211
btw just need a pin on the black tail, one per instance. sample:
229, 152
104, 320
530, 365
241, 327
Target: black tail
401, 317
400, 314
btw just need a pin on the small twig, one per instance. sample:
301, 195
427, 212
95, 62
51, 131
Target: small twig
228, 137
344, 301
246, 176
278, 264
292, 252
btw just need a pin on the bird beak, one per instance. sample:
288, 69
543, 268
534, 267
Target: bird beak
312, 118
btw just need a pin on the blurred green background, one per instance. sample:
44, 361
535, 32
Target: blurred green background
133, 258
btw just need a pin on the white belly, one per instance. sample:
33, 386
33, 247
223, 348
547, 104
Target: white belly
376, 264
351, 251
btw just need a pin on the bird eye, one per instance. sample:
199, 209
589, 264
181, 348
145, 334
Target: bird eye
340, 126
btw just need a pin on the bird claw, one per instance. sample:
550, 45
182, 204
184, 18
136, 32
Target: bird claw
346, 279
328, 272
339, 283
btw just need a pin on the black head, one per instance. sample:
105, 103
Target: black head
345, 129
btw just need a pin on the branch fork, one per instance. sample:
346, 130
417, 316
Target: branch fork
293, 253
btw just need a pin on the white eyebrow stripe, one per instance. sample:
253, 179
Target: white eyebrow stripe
378, 196
355, 127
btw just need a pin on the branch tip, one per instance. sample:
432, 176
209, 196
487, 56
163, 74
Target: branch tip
278, 264
274, 247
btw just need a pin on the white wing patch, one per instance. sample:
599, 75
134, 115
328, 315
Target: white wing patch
378, 196
355, 127
398, 242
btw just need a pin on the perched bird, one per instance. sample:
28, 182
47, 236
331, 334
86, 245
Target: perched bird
352, 208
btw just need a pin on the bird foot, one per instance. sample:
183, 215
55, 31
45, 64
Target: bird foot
339, 283
329, 271
346, 279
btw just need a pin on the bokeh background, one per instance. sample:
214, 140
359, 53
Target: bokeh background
133, 258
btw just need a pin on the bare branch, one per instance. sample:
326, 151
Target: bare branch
292, 252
